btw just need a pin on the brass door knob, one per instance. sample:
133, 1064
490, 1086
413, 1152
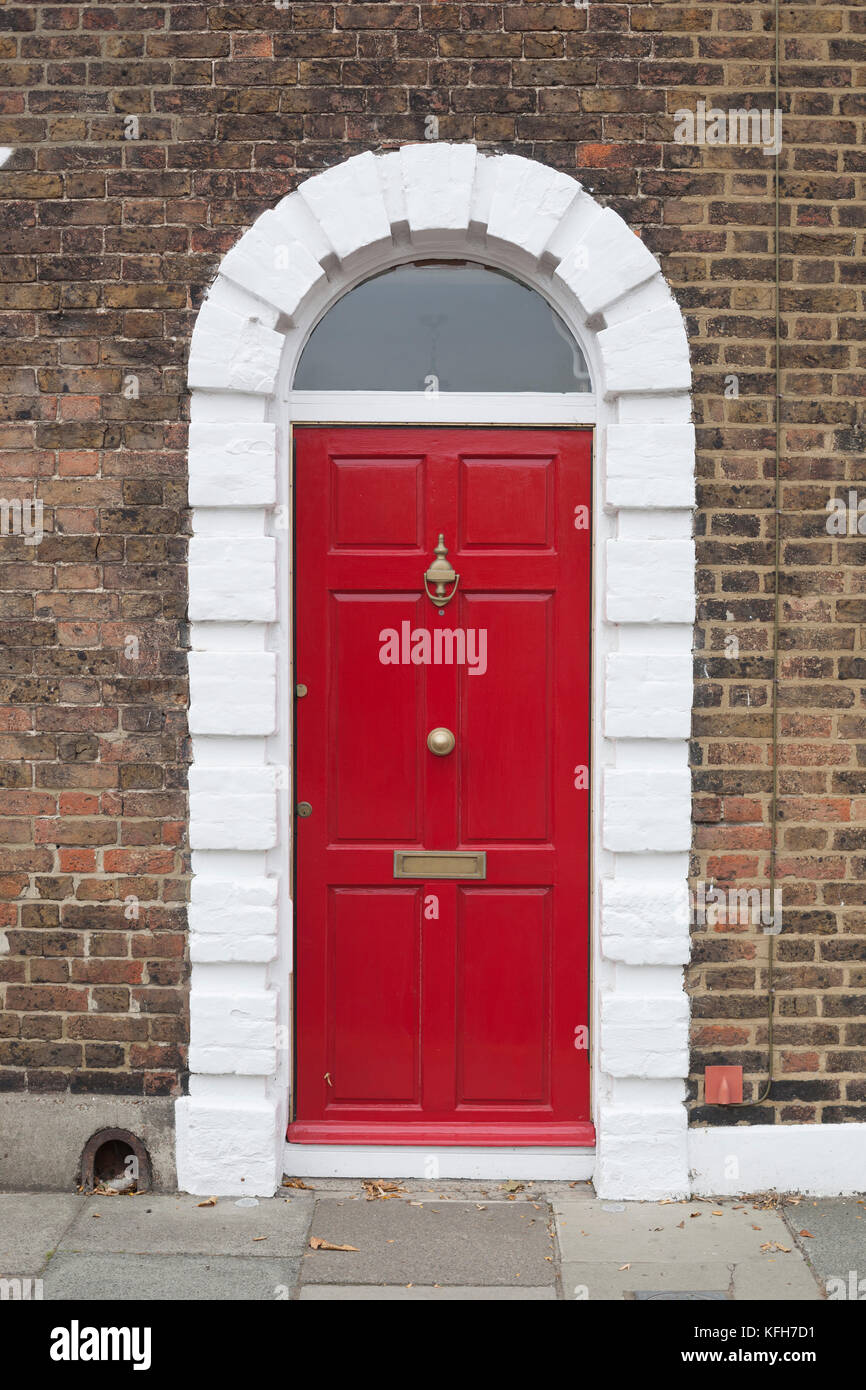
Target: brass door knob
440, 742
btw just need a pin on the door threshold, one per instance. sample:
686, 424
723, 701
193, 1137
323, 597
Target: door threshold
438, 1163
580, 1134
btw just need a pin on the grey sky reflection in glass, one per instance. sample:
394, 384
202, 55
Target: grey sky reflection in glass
446, 326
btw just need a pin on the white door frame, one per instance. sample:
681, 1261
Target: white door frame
340, 227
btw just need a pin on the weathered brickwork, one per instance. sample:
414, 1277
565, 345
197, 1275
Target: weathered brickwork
146, 139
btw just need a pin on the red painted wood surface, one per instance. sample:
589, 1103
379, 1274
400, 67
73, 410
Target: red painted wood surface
469, 1026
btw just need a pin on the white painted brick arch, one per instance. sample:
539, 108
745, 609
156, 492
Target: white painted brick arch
339, 227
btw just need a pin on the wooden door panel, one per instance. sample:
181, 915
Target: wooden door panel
502, 1039
377, 502
374, 955
374, 765
506, 502
505, 745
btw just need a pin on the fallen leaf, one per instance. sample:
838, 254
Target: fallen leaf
693, 1214
717, 1213
208, 1202
681, 1225
295, 1182
808, 1234
377, 1190
259, 1237
316, 1243
622, 1267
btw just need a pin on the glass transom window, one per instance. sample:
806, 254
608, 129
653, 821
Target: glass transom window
447, 326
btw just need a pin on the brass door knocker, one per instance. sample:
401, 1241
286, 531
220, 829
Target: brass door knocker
441, 574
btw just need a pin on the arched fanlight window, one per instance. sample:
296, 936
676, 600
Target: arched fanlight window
447, 326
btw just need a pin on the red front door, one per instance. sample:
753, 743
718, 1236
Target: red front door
442, 1009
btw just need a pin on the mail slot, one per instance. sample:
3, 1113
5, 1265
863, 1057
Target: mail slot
435, 863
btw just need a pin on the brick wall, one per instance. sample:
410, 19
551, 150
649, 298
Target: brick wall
146, 139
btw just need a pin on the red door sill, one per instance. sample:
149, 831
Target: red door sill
580, 1134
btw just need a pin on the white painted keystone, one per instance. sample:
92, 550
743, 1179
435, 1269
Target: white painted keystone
437, 181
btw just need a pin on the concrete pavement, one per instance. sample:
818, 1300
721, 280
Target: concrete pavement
417, 1241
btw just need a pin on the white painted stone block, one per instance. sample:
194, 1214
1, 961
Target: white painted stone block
647, 811
232, 580
234, 1034
297, 223
274, 268
645, 1036
648, 696
233, 693
232, 465
527, 204
646, 353
233, 919
226, 1148
650, 581
233, 808
650, 465
389, 168
644, 922
232, 353
642, 1153
437, 181
347, 201
821, 1160
609, 262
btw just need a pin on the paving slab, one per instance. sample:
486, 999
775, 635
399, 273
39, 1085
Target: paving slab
450, 1243
784, 1279
592, 1281
31, 1225
180, 1226
178, 1278
836, 1246
655, 1232
424, 1293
